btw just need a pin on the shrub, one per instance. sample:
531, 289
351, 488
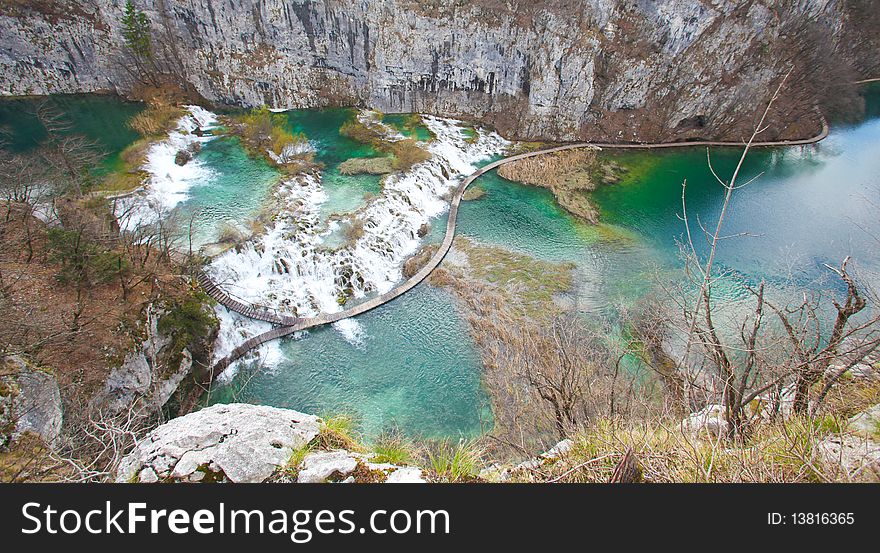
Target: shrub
186, 321
82, 261
156, 120
263, 130
407, 153
354, 129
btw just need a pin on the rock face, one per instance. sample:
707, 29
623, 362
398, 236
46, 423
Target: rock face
615, 69
150, 374
238, 442
30, 401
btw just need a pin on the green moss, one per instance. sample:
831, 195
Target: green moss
187, 321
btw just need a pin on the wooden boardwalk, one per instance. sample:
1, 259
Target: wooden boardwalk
248, 310
290, 325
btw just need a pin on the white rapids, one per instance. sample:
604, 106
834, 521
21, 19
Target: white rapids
290, 267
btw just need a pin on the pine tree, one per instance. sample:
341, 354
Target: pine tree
136, 30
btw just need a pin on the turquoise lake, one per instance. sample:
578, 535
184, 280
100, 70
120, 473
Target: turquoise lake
417, 368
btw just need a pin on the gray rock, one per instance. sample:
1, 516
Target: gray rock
857, 456
538, 69
318, 467
32, 402
709, 420
148, 476
143, 375
867, 422
558, 451
239, 442
406, 475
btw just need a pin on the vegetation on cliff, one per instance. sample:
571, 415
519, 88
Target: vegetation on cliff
76, 294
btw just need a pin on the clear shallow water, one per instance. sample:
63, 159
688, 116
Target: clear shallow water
235, 192
416, 367
416, 370
346, 193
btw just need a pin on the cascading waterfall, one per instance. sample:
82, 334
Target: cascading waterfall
290, 267
169, 183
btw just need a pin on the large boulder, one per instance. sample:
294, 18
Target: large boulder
236, 442
30, 401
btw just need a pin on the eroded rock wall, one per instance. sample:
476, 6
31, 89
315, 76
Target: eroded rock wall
559, 69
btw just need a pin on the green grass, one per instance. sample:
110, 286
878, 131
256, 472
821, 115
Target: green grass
339, 432
395, 449
456, 463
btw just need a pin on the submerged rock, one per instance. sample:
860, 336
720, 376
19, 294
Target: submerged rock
182, 157
235, 442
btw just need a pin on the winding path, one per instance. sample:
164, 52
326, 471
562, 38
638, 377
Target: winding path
290, 325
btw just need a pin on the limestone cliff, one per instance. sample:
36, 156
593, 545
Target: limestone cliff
560, 69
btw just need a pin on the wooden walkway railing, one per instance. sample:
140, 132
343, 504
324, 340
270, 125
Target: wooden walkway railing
289, 327
248, 310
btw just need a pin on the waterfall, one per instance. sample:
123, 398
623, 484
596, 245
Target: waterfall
290, 268
169, 183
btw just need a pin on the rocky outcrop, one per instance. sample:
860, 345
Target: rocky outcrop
235, 442
500, 473
153, 372
857, 456
249, 443
30, 401
348, 467
612, 69
710, 420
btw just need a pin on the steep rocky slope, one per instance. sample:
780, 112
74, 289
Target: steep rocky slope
559, 69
